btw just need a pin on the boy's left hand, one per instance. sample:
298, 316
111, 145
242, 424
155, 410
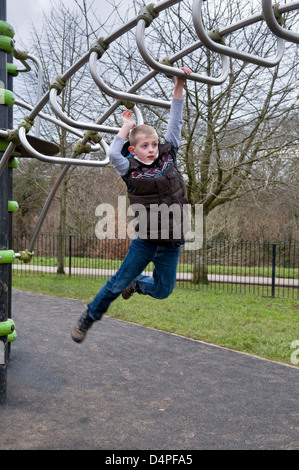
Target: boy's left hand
186, 70
127, 118
181, 81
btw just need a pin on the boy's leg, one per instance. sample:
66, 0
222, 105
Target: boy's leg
138, 257
162, 283
159, 286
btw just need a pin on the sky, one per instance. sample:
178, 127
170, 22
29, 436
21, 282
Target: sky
21, 13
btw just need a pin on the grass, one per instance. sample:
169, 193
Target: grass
256, 325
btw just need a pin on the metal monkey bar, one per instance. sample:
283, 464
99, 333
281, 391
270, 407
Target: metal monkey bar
143, 20
222, 49
276, 28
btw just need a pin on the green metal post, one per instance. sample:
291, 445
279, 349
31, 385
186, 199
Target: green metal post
10, 197
4, 225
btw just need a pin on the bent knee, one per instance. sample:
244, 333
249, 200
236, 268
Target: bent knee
163, 292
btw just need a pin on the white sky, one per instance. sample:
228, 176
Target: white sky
21, 13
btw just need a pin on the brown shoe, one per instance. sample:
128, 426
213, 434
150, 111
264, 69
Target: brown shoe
128, 292
79, 330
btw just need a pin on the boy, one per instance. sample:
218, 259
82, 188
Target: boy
150, 172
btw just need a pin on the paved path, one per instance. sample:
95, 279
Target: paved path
219, 278
133, 388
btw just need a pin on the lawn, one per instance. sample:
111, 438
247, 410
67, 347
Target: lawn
248, 323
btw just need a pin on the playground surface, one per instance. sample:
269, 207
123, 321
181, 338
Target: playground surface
128, 387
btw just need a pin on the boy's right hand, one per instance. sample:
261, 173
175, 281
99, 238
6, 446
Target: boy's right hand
127, 119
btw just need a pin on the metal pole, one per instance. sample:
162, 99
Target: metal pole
273, 270
4, 225
10, 198
70, 256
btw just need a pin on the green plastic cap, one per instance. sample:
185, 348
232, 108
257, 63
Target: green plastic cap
12, 337
12, 69
3, 145
6, 29
7, 327
7, 256
13, 162
13, 206
6, 97
7, 44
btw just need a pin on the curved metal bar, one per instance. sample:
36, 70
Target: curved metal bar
245, 56
82, 61
6, 156
165, 4
26, 68
44, 99
288, 7
49, 118
175, 71
105, 147
64, 161
133, 88
39, 88
272, 23
139, 117
53, 191
81, 125
58, 182
132, 23
121, 95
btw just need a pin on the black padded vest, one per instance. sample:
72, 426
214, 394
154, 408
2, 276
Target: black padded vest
163, 196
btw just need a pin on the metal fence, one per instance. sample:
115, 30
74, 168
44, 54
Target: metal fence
266, 269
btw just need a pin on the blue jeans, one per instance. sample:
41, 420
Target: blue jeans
159, 286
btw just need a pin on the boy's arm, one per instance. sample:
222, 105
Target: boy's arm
178, 91
174, 126
118, 161
173, 134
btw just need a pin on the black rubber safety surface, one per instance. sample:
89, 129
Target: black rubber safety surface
128, 387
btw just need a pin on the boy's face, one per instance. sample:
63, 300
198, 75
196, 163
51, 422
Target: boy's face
146, 148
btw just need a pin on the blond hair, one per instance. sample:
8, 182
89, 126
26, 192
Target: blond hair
144, 129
